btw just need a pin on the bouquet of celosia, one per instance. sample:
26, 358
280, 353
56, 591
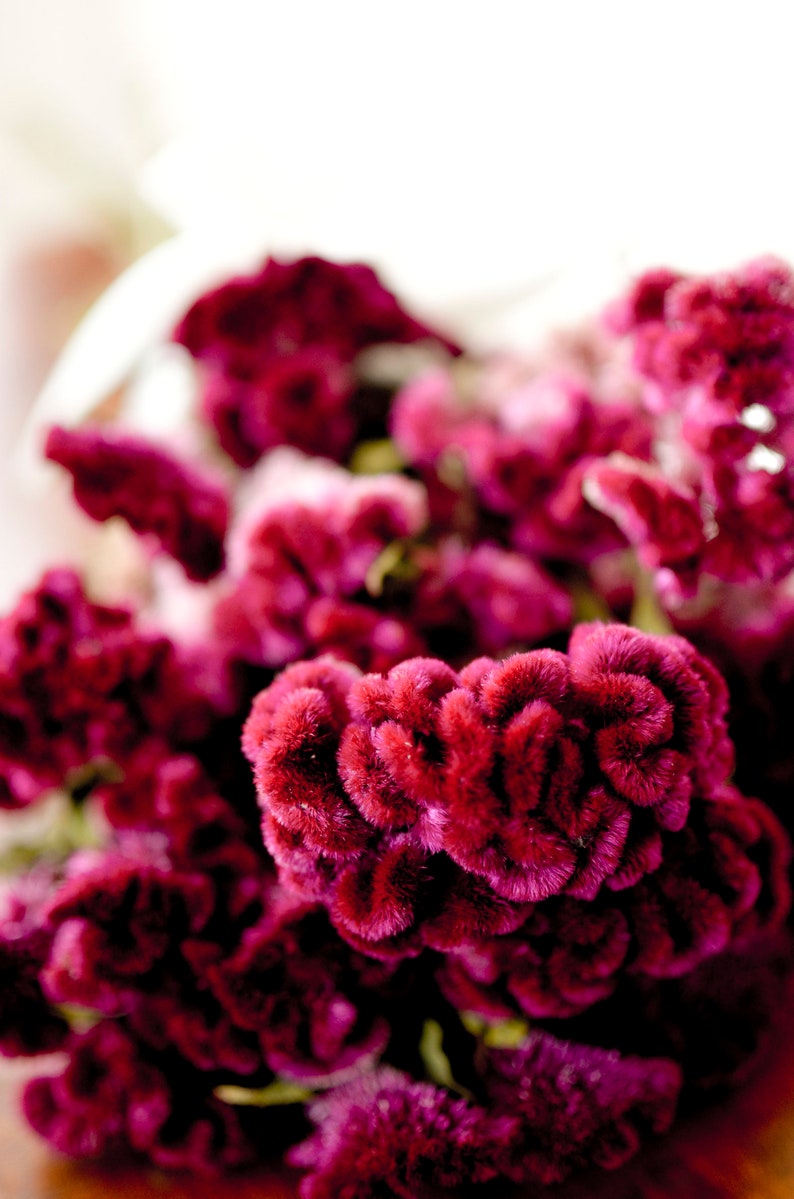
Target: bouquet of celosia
431, 823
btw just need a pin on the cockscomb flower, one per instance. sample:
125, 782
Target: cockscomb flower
310, 1001
182, 510
719, 882
28, 1022
486, 599
80, 685
524, 460
576, 1105
115, 1099
543, 774
304, 571
388, 1135
731, 334
278, 346
116, 919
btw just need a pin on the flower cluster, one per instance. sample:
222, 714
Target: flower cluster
453, 719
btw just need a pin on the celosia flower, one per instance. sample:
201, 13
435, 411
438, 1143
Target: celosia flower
388, 1135
116, 921
278, 345
182, 510
28, 1023
721, 880
543, 774
80, 685
300, 569
577, 1106
112, 1098
301, 993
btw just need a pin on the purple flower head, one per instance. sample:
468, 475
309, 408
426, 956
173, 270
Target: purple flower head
720, 881
731, 334
577, 1106
541, 774
488, 598
114, 474
387, 1135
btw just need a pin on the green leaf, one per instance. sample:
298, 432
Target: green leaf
376, 458
279, 1093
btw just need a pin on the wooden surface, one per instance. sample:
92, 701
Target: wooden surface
742, 1148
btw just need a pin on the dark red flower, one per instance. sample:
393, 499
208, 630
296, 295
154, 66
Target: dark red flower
279, 344
114, 474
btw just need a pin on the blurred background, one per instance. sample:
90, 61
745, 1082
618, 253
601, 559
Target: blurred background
506, 166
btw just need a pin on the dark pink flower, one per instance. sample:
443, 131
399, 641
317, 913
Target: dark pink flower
279, 345
114, 474
302, 571
112, 1098
28, 1023
484, 599
578, 1106
538, 775
292, 984
116, 922
385, 1134
82, 687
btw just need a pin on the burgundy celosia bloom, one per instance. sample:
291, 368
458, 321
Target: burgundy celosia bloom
577, 1106
116, 921
300, 571
663, 520
279, 344
114, 474
80, 685
484, 599
719, 881
112, 1098
732, 334
28, 1024
539, 775
388, 1135
525, 460
292, 984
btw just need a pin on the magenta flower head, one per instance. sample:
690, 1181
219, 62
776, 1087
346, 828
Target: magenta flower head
304, 570
577, 1106
113, 1099
388, 1135
542, 775
279, 346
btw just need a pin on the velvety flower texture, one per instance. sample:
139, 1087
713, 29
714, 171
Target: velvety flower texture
113, 1099
543, 774
81, 686
311, 1002
721, 881
576, 1105
388, 1135
525, 459
278, 347
304, 571
114, 474
716, 356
